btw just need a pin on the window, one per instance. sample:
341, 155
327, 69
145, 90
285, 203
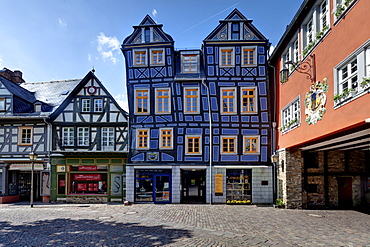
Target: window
2, 104
324, 14
291, 55
249, 56
98, 105
191, 100
251, 145
86, 105
235, 33
157, 57
83, 136
166, 139
68, 136
193, 145
163, 102
147, 35
189, 63
310, 32
107, 139
248, 101
291, 115
142, 101
348, 77
227, 57
142, 139
25, 136
140, 58
228, 101
229, 145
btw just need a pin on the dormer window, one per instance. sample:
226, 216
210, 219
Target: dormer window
189, 63
37, 107
235, 32
147, 35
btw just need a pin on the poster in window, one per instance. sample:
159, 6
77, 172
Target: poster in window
218, 184
166, 196
45, 184
116, 185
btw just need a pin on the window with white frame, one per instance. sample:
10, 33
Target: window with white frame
227, 57
291, 55
83, 136
68, 135
324, 14
166, 138
98, 105
341, 6
348, 76
251, 144
163, 101
2, 104
25, 136
142, 138
141, 101
140, 57
189, 63
291, 115
157, 56
248, 100
228, 100
249, 57
191, 100
107, 140
193, 145
228, 145
86, 105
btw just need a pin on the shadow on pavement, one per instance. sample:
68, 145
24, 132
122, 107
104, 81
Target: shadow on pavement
69, 232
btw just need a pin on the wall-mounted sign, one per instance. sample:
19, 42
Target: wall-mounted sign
26, 166
315, 101
87, 177
61, 168
91, 90
87, 168
219, 185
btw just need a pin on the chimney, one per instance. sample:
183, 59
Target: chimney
15, 76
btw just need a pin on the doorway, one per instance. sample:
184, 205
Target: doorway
193, 183
345, 192
24, 186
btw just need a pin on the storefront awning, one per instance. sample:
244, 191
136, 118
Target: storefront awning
26, 167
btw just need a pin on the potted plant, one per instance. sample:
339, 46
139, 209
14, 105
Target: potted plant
279, 203
365, 82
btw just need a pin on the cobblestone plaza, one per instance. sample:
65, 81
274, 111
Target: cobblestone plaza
178, 225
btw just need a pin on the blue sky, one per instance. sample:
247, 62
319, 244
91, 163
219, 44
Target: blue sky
57, 40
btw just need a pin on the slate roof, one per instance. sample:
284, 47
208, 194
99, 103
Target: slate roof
21, 92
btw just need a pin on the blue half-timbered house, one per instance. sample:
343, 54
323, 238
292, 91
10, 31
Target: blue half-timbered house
200, 119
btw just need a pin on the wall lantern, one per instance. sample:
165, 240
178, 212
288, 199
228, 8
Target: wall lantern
284, 73
275, 158
307, 67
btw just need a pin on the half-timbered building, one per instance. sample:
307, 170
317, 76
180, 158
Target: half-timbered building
200, 118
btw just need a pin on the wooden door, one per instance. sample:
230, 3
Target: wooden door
345, 192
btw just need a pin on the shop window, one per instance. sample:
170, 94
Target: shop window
2, 104
85, 105
191, 102
227, 57
140, 58
238, 184
153, 186
228, 104
248, 100
157, 57
25, 136
193, 144
142, 101
166, 139
90, 183
98, 105
190, 63
163, 102
108, 140
68, 136
142, 138
251, 145
229, 145
249, 56
83, 136
61, 178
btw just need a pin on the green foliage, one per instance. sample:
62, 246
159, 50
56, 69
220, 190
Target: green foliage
279, 202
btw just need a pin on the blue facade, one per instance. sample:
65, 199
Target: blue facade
186, 106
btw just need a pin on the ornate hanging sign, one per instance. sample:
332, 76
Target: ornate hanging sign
315, 101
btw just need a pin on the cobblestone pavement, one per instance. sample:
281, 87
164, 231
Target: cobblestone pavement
178, 225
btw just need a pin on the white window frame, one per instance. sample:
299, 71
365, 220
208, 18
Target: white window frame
289, 113
233, 102
157, 98
136, 101
190, 65
84, 139
235, 138
232, 61
187, 137
254, 63
291, 54
351, 79
197, 100
142, 63
68, 136
85, 105
2, 104
23, 141
153, 61
161, 138
148, 139
255, 100
108, 137
257, 137
98, 105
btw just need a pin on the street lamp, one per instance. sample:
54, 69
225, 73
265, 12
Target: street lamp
32, 156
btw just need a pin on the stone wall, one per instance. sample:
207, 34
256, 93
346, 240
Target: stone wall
87, 199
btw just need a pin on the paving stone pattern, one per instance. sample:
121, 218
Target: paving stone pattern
178, 225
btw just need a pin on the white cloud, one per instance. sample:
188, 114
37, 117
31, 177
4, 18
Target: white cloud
89, 57
62, 23
154, 12
272, 48
107, 46
122, 101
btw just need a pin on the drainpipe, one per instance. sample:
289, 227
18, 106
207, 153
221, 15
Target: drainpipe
210, 141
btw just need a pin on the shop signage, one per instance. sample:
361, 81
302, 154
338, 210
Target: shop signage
26, 167
218, 184
166, 196
87, 168
61, 168
87, 177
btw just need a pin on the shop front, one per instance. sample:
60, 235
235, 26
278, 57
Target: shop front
153, 185
88, 180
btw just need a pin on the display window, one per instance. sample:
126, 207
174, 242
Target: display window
238, 184
153, 186
88, 179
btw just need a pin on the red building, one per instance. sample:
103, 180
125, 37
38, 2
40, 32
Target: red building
321, 67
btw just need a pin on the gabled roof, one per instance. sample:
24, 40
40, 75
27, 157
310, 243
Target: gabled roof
250, 32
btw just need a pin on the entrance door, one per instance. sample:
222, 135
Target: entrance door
193, 186
345, 193
162, 190
24, 186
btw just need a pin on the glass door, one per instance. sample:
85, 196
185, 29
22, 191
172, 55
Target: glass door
162, 189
